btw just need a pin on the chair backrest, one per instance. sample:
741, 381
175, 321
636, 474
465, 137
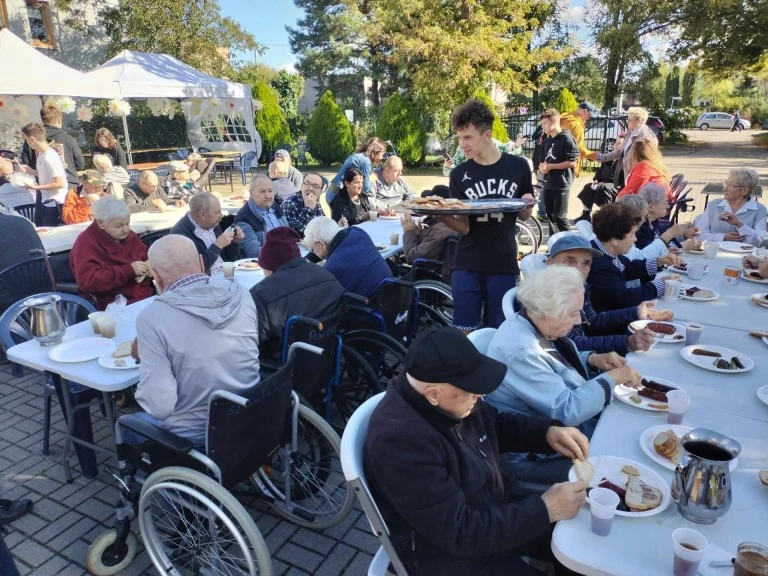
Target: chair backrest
675, 180
482, 338
174, 156
313, 371
24, 279
585, 229
508, 303
396, 303
134, 175
532, 262
244, 429
182, 152
246, 160
161, 170
352, 458
555, 237
203, 149
27, 210
151, 237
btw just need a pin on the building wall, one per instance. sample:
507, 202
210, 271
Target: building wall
308, 100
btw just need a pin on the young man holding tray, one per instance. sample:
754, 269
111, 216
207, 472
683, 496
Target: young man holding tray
485, 262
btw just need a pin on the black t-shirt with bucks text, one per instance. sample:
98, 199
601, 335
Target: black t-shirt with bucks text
490, 246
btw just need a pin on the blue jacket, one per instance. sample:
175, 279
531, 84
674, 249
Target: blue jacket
608, 283
359, 161
255, 228
356, 263
603, 331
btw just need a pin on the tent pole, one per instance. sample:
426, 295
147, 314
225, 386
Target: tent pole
127, 140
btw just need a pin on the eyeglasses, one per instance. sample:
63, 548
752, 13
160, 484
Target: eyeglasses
315, 187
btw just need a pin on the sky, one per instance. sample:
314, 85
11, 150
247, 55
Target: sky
267, 19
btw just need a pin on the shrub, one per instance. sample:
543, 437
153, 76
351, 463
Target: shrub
499, 131
270, 121
400, 124
566, 101
329, 134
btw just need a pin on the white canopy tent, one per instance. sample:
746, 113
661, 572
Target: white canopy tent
219, 113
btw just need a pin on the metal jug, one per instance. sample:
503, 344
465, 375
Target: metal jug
702, 484
46, 324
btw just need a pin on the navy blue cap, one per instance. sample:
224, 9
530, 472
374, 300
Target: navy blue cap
589, 106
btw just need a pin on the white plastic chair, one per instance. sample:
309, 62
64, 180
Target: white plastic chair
507, 303
352, 444
482, 338
555, 237
532, 262
585, 229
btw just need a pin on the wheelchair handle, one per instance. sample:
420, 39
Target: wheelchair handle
303, 346
355, 297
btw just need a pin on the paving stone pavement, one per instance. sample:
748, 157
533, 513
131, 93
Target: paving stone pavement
66, 518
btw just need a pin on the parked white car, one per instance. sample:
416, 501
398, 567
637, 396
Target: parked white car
719, 120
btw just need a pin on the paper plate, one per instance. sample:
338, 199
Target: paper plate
395, 217
745, 275
761, 299
609, 467
677, 338
241, 265
694, 251
762, 393
625, 394
646, 444
42, 231
684, 270
81, 349
707, 362
108, 361
381, 247
738, 247
713, 296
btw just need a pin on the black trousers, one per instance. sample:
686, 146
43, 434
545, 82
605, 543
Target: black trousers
556, 205
601, 194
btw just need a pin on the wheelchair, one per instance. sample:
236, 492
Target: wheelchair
263, 443
435, 304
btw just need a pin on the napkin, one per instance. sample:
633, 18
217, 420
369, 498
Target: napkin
715, 554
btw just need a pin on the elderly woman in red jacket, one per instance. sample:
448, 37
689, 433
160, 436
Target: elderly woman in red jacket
108, 258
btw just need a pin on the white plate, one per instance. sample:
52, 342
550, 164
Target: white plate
736, 247
108, 361
81, 349
395, 217
694, 251
682, 271
381, 247
665, 338
762, 393
239, 265
760, 299
646, 444
745, 276
609, 467
709, 299
707, 362
624, 393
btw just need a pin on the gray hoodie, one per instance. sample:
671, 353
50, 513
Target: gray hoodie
194, 340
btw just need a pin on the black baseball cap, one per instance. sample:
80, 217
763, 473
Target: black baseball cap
445, 354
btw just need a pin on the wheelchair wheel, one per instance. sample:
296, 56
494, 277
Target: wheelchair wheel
534, 224
435, 303
526, 240
381, 352
100, 559
191, 525
357, 382
320, 497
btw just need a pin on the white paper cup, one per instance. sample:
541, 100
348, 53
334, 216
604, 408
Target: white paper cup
602, 506
229, 269
394, 238
107, 325
693, 332
696, 270
711, 249
678, 401
373, 214
673, 290
689, 546
94, 318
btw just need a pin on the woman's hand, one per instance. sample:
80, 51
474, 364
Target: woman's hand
692, 232
140, 268
731, 219
669, 260
692, 244
627, 376
407, 222
605, 362
733, 237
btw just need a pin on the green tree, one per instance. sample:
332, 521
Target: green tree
672, 85
499, 131
400, 123
289, 88
649, 85
270, 121
583, 75
689, 82
566, 101
194, 31
329, 134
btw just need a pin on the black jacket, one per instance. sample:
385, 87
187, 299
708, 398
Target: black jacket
116, 154
609, 284
186, 227
603, 332
297, 288
73, 157
342, 205
438, 483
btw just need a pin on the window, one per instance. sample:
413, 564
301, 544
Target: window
40, 23
225, 128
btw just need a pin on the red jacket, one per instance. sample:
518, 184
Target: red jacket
641, 174
102, 266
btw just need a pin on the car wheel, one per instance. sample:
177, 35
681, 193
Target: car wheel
704, 127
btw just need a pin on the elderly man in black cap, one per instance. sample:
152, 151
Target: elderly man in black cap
432, 461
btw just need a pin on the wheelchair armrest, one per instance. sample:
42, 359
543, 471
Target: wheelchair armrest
269, 364
155, 433
354, 298
427, 263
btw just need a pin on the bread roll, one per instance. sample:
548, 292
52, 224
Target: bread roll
584, 470
123, 350
640, 496
665, 443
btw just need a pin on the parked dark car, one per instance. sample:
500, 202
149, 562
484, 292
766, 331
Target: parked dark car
765, 124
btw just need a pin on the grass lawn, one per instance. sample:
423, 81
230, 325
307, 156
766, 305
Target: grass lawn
761, 140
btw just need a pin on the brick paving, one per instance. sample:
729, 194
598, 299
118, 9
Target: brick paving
66, 518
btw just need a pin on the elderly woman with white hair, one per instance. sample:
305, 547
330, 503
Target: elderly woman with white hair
179, 185
546, 373
737, 217
115, 177
108, 258
652, 232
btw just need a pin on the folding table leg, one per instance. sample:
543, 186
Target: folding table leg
70, 418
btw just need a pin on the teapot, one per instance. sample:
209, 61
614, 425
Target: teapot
702, 483
46, 324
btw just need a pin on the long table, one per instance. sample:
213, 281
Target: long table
726, 403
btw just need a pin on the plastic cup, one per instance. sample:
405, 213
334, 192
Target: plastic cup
732, 275
693, 332
673, 290
678, 402
711, 249
94, 318
228, 269
696, 270
689, 546
107, 325
751, 560
394, 238
602, 505
373, 215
